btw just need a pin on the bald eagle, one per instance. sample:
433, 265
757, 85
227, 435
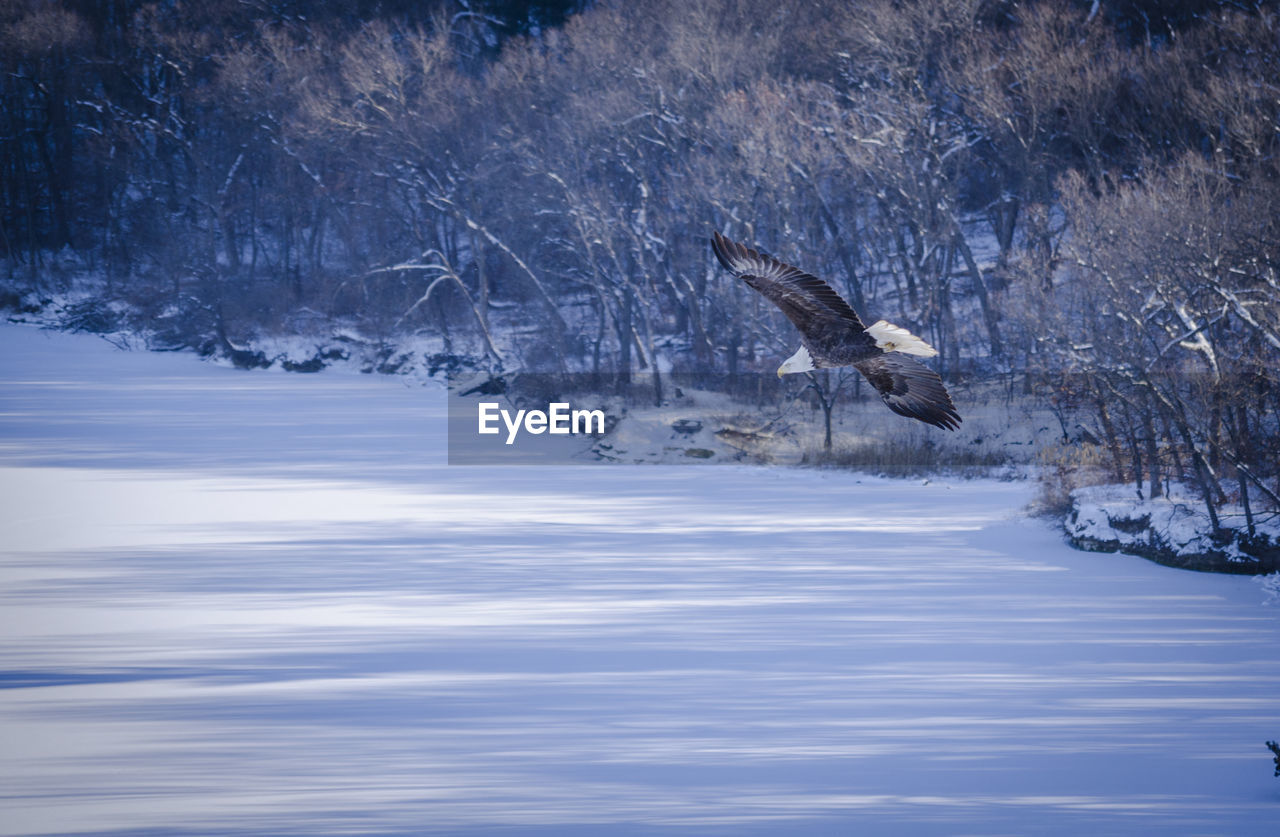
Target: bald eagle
832, 335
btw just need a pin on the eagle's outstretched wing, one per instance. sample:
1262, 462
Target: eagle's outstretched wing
910, 389
809, 303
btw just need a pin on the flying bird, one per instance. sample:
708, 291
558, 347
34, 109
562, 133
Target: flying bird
832, 335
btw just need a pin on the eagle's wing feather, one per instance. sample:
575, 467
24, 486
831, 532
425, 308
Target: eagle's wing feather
808, 302
910, 389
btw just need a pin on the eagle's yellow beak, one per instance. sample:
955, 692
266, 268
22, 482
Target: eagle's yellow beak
779, 371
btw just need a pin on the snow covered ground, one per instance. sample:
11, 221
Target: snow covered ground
1116, 517
260, 602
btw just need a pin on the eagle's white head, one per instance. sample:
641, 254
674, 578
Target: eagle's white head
799, 362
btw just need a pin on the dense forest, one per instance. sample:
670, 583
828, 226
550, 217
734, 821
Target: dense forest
1081, 199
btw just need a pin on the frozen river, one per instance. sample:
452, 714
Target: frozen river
261, 603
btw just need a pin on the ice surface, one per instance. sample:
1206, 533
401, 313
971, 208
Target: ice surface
256, 602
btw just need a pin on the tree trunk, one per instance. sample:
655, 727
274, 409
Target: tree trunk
989, 315
1153, 456
623, 323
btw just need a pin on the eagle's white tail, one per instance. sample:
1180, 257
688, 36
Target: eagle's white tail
893, 338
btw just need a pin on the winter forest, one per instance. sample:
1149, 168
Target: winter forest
1077, 202
237, 599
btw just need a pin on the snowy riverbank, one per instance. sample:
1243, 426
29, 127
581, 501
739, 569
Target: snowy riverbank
1173, 530
1000, 435
1000, 438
